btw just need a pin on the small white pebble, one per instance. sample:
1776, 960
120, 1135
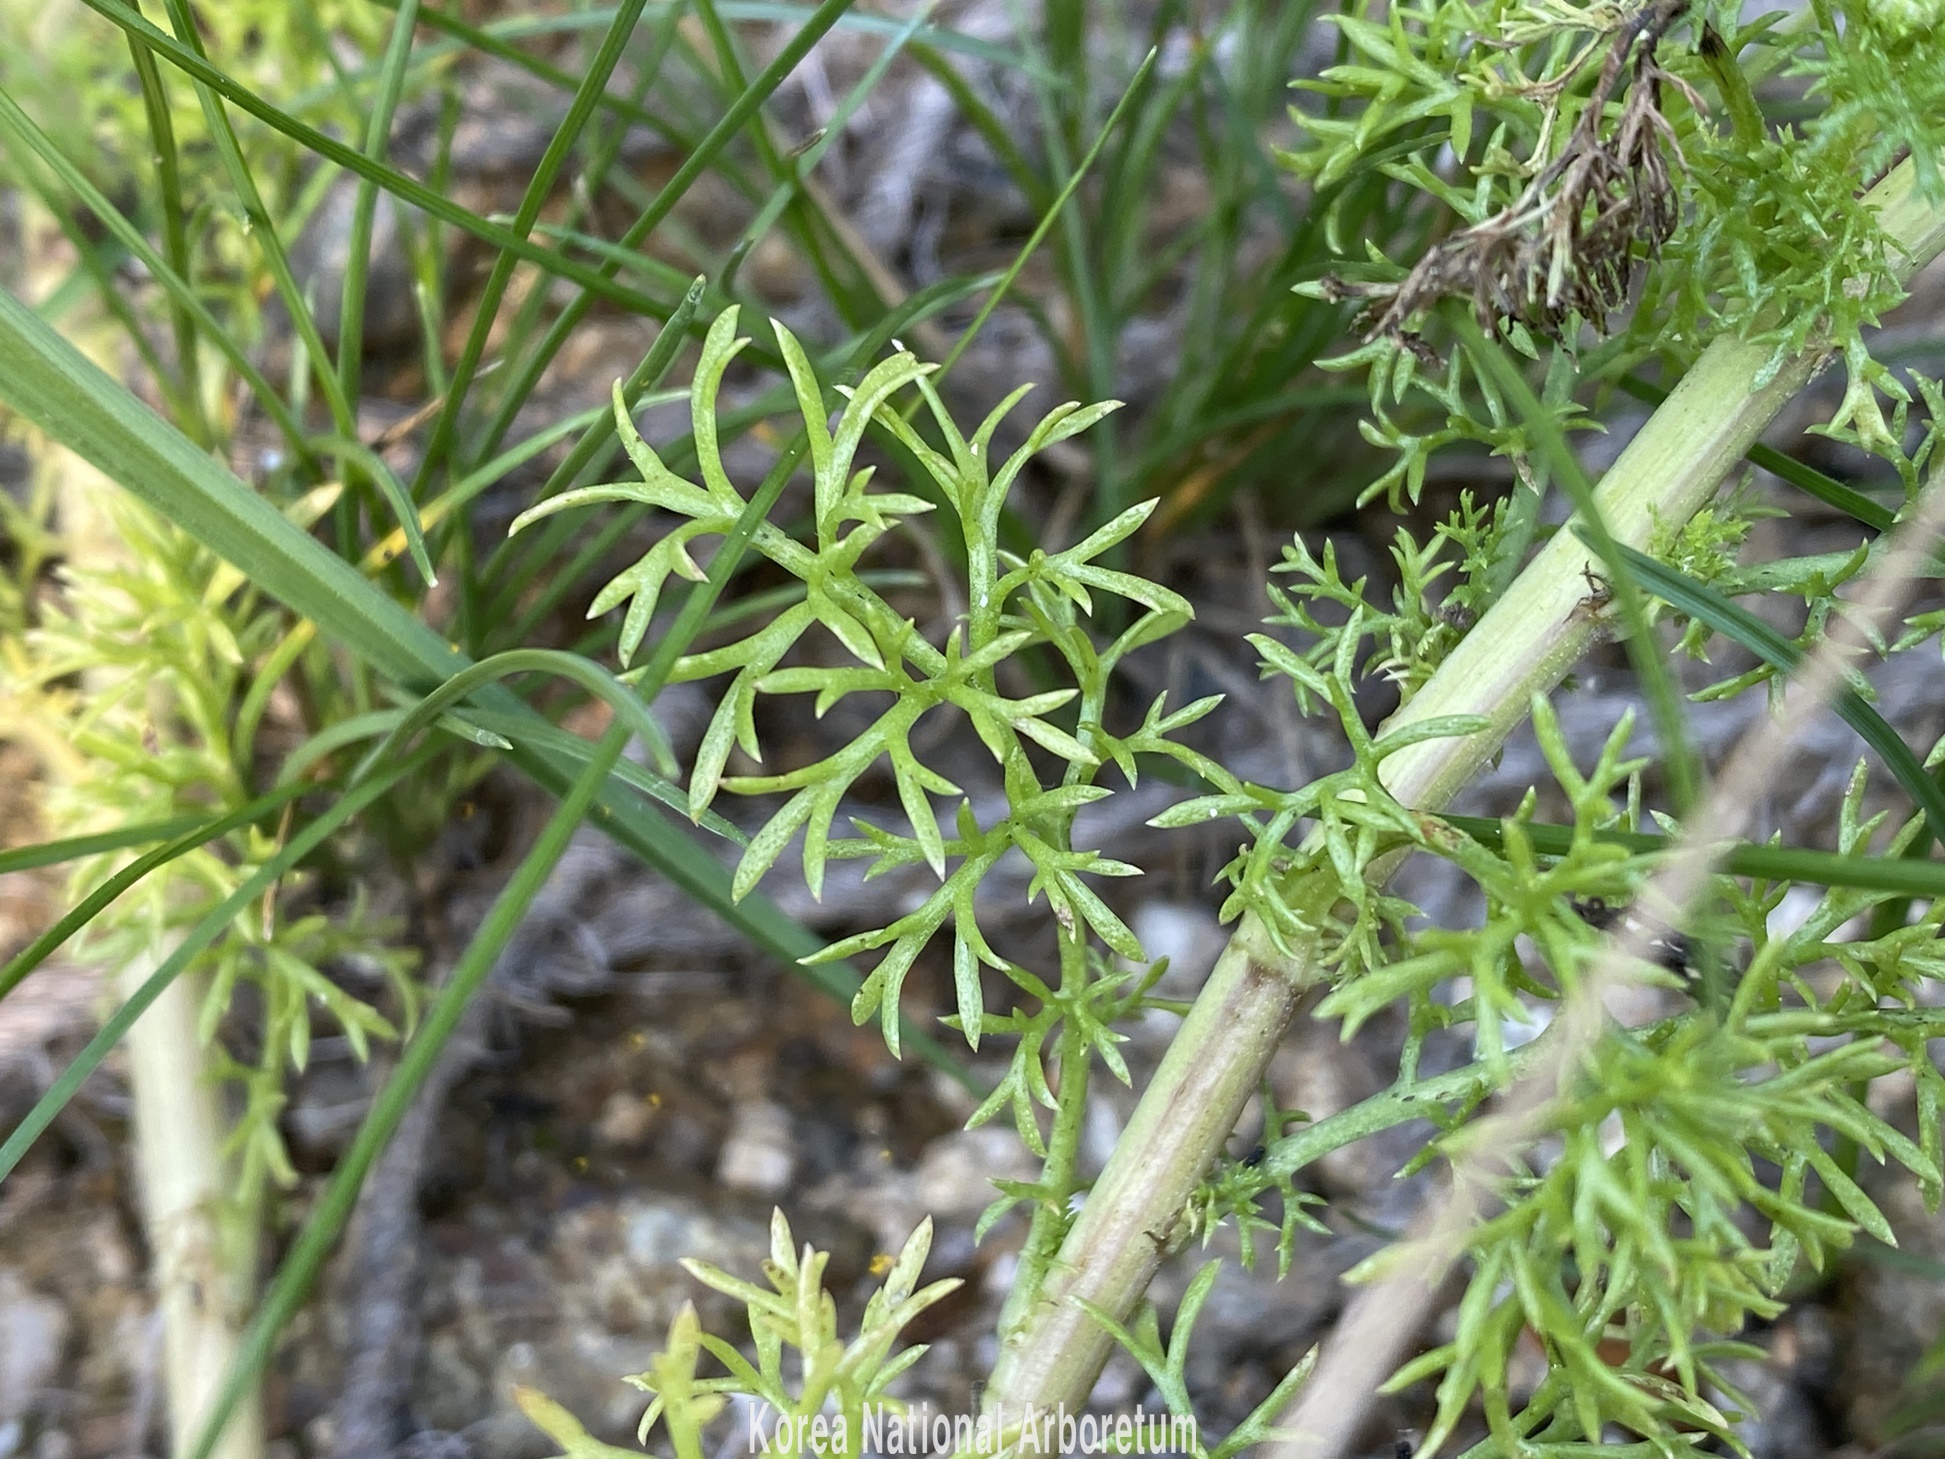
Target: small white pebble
757, 1156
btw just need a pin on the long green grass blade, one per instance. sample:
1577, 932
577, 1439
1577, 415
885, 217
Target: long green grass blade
797, 168
175, 228
496, 39
1891, 874
53, 385
180, 836
629, 710
73, 848
293, 1280
1705, 605
526, 731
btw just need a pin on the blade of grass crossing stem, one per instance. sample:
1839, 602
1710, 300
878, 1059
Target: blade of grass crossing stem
1892, 874
707, 882
525, 731
826, 242
24, 137
693, 166
51, 384
293, 1280
629, 710
207, 929
184, 835
593, 83
1704, 604
1805, 478
378, 134
1489, 358
73, 848
1047, 219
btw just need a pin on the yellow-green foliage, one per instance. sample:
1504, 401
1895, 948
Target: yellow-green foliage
128, 686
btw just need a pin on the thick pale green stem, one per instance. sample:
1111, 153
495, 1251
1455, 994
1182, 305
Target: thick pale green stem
200, 1262
1523, 645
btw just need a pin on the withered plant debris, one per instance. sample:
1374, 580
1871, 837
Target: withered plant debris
1566, 248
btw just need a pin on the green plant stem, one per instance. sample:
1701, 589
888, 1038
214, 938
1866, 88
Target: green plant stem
186, 836
1522, 646
1060, 1171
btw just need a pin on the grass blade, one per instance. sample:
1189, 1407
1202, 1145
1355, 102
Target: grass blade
629, 710
175, 229
693, 166
1048, 218
263, 230
184, 834
378, 132
594, 82
408, 190
24, 137
1704, 604
54, 853
1896, 875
